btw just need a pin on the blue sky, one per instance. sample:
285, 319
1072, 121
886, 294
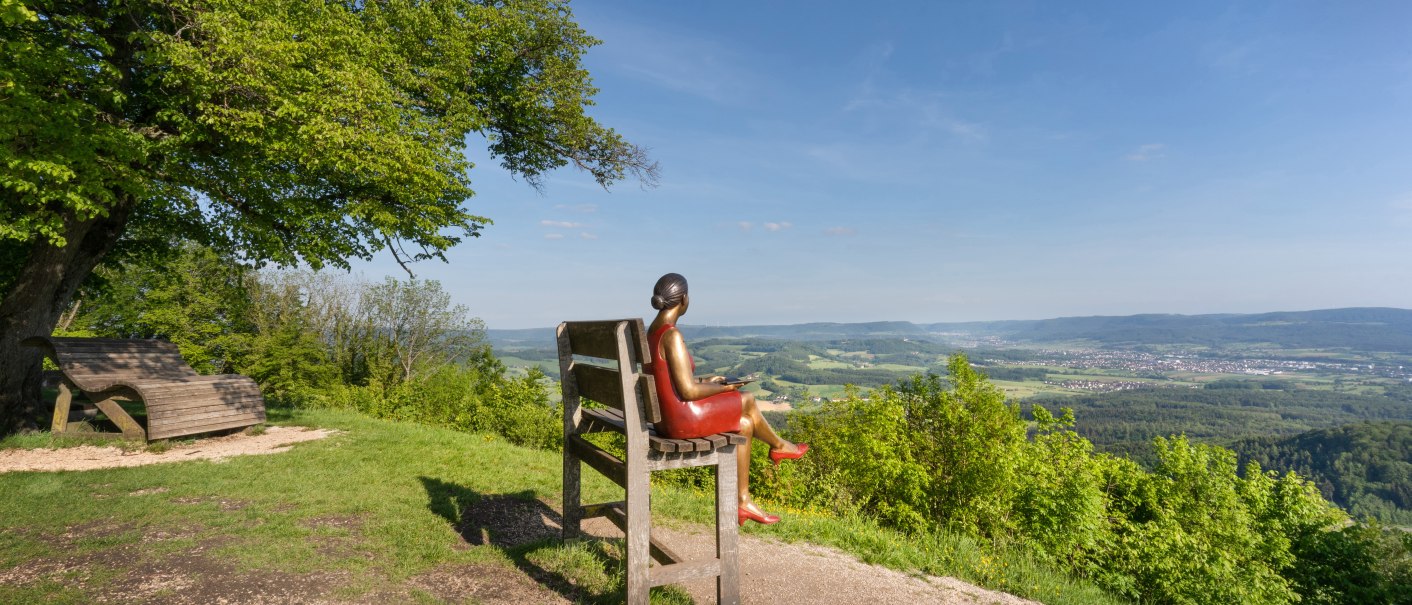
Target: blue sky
943, 161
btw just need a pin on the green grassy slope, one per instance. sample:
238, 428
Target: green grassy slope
377, 512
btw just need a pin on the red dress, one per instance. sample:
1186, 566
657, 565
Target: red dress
718, 413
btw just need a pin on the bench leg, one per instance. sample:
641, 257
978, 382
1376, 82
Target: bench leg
573, 498
639, 537
61, 408
727, 527
131, 429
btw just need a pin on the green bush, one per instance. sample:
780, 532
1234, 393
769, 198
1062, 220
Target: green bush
951, 454
463, 397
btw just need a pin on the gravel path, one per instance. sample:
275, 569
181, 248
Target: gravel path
274, 440
778, 572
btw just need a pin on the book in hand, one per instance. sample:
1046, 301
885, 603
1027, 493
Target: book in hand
733, 380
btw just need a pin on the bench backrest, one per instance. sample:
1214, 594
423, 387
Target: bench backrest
591, 361
94, 364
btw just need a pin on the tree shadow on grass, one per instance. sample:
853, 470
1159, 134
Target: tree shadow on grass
518, 524
528, 531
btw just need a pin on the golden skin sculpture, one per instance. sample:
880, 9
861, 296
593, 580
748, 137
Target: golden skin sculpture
696, 407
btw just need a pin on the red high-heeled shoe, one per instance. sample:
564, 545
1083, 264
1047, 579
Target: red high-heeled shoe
777, 455
764, 519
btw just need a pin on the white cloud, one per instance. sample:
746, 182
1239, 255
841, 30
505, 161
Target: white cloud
780, 226
587, 235
554, 236
840, 231
1150, 151
561, 224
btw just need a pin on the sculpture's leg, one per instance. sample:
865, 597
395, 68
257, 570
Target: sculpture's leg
742, 460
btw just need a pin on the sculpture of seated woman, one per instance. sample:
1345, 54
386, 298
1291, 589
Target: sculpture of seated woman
696, 407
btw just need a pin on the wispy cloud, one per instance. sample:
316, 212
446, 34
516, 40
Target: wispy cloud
840, 231
683, 61
554, 236
879, 104
561, 224
587, 235
1150, 151
780, 226
745, 225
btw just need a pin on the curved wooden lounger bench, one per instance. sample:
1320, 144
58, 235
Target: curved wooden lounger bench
178, 400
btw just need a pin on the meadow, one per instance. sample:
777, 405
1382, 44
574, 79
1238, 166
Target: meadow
386, 511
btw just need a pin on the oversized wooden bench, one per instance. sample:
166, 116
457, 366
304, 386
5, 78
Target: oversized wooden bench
602, 361
178, 400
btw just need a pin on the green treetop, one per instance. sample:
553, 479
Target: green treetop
285, 131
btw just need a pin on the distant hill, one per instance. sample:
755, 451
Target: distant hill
1365, 467
1361, 329
1366, 329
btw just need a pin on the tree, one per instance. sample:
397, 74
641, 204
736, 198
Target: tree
283, 132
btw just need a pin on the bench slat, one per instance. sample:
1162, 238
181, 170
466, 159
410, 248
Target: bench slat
601, 420
594, 339
608, 465
599, 384
680, 572
181, 431
605, 420
202, 413
208, 418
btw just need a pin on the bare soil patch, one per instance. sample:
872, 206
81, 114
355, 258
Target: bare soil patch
490, 584
274, 440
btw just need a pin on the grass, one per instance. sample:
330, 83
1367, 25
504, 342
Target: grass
377, 507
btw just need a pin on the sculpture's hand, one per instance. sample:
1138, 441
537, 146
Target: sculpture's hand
715, 379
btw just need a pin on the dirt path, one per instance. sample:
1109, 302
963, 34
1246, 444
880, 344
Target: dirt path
274, 440
778, 572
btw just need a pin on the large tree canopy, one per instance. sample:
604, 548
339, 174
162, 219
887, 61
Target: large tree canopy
284, 131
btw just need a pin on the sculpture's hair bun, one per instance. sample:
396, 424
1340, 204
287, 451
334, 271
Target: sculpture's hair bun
669, 291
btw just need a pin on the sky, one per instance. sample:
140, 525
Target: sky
960, 161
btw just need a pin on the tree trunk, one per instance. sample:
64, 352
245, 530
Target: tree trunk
44, 288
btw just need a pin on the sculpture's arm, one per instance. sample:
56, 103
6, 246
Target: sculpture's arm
679, 365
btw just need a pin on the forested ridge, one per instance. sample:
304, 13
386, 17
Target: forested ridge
1364, 467
1126, 421
1358, 329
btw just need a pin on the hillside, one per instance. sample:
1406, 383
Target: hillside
395, 512
1358, 329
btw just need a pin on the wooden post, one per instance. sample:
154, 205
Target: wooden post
61, 407
131, 429
639, 533
727, 527
573, 510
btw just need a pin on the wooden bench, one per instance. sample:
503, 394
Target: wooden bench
615, 378
178, 400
